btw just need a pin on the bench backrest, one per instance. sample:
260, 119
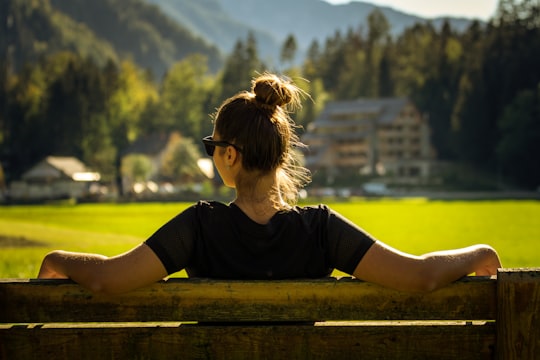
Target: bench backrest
475, 317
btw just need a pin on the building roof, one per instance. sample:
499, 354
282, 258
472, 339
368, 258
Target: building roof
385, 110
56, 167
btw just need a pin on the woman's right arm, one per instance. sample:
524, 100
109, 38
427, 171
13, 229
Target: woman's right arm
101, 274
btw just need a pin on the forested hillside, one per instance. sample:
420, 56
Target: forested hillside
101, 29
479, 87
34, 29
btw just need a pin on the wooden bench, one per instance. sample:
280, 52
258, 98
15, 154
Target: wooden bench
474, 318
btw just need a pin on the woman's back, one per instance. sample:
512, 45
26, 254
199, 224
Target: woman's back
216, 240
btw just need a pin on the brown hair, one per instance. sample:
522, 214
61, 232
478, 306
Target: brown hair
258, 122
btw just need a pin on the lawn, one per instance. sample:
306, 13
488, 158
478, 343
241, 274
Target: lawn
417, 226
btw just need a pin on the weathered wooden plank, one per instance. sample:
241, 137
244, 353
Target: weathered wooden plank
251, 342
213, 300
518, 317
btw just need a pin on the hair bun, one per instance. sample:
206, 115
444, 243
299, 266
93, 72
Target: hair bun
271, 91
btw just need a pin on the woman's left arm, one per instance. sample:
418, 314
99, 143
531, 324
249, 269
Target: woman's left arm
395, 269
100, 274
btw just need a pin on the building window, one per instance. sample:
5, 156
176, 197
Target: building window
414, 171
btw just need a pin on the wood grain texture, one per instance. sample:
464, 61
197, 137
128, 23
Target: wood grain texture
252, 342
518, 320
218, 300
474, 318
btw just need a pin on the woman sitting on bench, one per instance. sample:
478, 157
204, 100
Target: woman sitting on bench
262, 234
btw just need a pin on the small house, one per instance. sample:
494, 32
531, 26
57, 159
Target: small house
54, 177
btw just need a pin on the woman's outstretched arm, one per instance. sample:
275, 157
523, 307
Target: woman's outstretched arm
100, 274
394, 269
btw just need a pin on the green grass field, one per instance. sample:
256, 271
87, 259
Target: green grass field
417, 226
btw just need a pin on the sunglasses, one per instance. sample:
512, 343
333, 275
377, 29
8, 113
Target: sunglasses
210, 145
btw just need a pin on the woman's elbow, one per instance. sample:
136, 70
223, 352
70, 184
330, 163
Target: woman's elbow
420, 283
103, 285
426, 283
98, 286
431, 276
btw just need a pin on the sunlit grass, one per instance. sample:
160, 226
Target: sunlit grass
420, 226
107, 229
416, 226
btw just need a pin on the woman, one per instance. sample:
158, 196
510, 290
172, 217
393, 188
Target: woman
262, 234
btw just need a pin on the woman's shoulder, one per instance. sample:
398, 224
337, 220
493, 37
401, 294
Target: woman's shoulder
210, 206
205, 211
311, 208
202, 208
312, 211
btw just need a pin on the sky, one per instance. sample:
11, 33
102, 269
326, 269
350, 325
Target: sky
478, 9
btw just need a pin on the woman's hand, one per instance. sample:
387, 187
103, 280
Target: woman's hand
488, 261
49, 267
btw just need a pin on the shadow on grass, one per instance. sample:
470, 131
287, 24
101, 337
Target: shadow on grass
19, 241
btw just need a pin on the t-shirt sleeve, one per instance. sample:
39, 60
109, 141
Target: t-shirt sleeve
173, 242
348, 242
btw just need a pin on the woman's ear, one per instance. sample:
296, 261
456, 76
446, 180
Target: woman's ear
231, 155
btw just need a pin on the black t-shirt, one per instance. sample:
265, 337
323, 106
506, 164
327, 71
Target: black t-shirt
215, 240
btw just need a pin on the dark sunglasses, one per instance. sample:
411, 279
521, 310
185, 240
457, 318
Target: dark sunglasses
210, 145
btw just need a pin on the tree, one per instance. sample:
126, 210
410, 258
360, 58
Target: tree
471, 137
288, 50
520, 139
354, 77
311, 64
240, 67
77, 101
386, 81
53, 109
26, 139
180, 162
378, 28
129, 94
130, 91
136, 168
377, 38
500, 63
523, 12
471, 129
331, 61
430, 65
184, 93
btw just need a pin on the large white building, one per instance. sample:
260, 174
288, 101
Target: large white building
386, 137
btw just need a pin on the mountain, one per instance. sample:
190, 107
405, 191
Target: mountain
222, 22
101, 29
157, 33
317, 19
209, 20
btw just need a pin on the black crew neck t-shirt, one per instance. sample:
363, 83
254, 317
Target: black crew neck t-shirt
215, 240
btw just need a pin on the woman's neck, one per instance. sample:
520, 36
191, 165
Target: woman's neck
261, 200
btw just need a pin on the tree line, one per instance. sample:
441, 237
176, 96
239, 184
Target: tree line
479, 88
